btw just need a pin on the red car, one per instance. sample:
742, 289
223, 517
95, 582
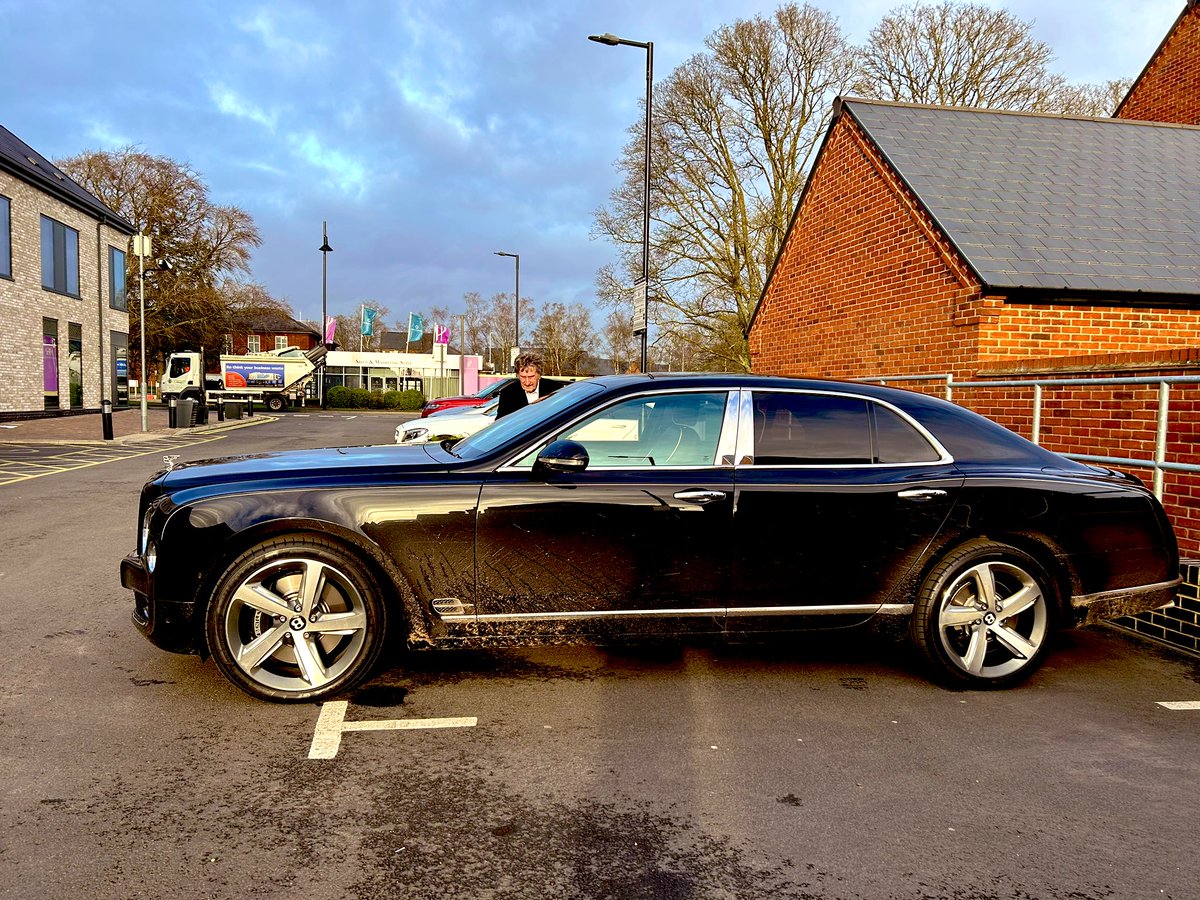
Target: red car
477, 399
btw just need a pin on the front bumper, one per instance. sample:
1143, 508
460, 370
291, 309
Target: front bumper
165, 623
1091, 608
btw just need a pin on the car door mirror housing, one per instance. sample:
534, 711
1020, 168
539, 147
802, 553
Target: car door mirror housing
563, 458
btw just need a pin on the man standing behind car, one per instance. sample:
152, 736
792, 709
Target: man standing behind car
529, 388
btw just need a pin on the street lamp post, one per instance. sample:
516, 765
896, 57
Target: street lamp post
517, 301
325, 251
141, 249
612, 40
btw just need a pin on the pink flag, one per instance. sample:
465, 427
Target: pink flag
330, 328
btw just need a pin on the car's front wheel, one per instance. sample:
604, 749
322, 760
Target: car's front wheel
296, 619
984, 615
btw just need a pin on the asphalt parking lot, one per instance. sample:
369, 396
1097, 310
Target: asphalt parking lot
824, 766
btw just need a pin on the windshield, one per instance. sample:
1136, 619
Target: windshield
525, 419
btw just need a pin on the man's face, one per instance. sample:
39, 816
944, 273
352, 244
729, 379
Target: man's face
529, 378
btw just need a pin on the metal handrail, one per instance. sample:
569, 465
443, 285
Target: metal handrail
1158, 464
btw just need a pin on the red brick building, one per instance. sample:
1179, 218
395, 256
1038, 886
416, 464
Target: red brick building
1168, 90
270, 331
988, 245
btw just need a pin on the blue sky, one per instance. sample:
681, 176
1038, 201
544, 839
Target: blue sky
428, 134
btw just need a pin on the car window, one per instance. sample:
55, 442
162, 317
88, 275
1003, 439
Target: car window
897, 441
654, 430
810, 429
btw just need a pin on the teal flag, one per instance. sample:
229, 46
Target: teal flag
368, 321
416, 327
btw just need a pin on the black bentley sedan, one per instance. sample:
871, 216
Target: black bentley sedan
659, 503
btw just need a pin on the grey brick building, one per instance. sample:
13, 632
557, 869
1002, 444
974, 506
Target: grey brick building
64, 327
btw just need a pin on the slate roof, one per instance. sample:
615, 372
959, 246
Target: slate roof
30, 166
1048, 203
277, 323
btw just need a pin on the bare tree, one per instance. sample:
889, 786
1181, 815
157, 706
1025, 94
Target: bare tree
563, 335
1097, 100
618, 341
734, 132
953, 54
208, 246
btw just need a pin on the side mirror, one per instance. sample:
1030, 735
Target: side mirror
563, 458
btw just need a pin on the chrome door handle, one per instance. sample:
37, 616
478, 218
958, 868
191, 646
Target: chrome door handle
920, 495
698, 496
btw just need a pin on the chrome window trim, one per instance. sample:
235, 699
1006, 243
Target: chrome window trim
512, 463
745, 451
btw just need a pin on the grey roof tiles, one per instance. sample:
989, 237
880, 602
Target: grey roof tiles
1037, 201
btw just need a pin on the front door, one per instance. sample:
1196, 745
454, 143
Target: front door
640, 536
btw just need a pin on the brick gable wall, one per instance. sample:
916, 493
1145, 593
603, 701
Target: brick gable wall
864, 281
1169, 88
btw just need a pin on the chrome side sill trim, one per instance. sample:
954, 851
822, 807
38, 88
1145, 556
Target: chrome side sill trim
887, 609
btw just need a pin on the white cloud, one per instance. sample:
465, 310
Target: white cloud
346, 172
232, 104
281, 47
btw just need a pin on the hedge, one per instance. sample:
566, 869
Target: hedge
340, 397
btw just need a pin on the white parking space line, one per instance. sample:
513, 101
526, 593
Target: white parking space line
1180, 704
332, 724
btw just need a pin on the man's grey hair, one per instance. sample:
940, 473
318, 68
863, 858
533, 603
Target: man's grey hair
525, 360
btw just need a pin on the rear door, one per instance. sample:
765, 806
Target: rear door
838, 498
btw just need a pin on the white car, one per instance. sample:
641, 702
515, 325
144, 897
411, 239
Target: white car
447, 425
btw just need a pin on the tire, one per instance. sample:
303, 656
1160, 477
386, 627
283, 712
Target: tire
984, 617
274, 403
259, 617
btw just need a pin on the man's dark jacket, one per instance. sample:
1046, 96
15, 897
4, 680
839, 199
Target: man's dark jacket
512, 396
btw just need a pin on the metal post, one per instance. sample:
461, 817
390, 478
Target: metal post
143, 249
646, 204
612, 40
1037, 413
106, 424
325, 251
1160, 437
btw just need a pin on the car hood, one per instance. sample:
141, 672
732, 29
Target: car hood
286, 467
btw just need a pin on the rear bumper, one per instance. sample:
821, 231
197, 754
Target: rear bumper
165, 623
1091, 608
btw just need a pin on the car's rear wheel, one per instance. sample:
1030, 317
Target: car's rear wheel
294, 619
984, 616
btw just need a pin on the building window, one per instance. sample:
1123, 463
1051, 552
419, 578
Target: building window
50, 363
75, 364
253, 344
60, 257
5, 237
116, 279
281, 342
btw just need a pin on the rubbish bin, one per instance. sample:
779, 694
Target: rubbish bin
185, 408
233, 408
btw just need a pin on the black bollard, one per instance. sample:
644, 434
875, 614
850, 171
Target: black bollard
220, 409
172, 414
106, 419
250, 407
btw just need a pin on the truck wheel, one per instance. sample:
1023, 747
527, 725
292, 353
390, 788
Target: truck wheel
296, 619
274, 403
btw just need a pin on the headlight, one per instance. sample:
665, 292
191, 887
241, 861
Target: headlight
144, 541
413, 434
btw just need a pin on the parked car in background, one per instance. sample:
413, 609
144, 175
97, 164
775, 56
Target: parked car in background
480, 398
668, 503
448, 424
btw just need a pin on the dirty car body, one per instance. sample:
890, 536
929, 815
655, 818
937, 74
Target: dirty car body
676, 503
